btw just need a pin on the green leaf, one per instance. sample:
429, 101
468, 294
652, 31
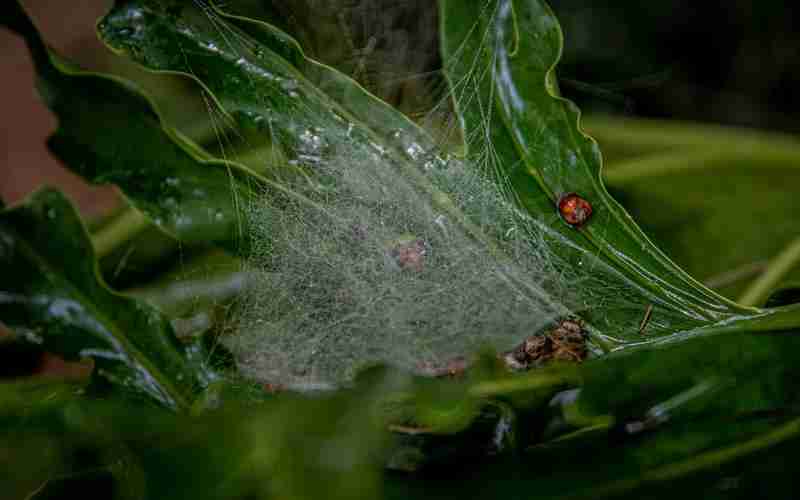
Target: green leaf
257, 450
713, 198
669, 417
110, 133
611, 469
518, 127
52, 295
21, 402
257, 75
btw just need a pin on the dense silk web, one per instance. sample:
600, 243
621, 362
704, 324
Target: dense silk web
375, 270
408, 255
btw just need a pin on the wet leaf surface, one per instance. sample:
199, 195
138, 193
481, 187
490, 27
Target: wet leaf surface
52, 296
110, 133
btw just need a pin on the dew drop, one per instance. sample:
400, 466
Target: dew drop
441, 221
572, 160
414, 151
183, 222
260, 122
288, 85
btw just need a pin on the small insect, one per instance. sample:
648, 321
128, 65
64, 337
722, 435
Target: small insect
574, 210
410, 254
565, 342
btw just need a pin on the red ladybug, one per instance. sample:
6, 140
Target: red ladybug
574, 210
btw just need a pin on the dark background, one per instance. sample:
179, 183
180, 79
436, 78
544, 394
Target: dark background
734, 62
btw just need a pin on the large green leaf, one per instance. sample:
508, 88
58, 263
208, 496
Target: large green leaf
110, 133
52, 295
518, 127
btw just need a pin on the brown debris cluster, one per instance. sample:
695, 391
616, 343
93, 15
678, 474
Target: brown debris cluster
565, 342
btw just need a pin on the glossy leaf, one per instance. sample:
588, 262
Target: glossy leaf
52, 295
110, 133
257, 74
533, 138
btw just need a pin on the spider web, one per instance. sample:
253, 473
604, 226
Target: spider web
410, 258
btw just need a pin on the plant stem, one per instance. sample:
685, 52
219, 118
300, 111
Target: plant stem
112, 235
566, 376
732, 156
176, 298
736, 275
758, 291
640, 136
